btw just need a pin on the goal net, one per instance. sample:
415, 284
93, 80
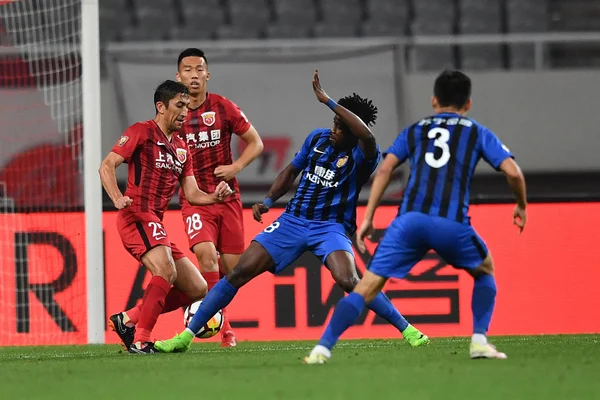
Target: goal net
42, 226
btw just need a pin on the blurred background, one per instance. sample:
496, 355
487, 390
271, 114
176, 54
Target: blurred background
533, 64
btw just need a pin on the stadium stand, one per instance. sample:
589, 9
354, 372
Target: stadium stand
143, 20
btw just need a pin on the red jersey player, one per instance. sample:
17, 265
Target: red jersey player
157, 159
211, 122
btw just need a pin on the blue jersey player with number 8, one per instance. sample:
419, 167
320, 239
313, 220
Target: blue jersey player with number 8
335, 163
443, 151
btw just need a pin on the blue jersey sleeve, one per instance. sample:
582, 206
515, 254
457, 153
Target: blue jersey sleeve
300, 161
400, 146
492, 149
360, 159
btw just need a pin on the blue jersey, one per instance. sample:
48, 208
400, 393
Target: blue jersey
330, 180
443, 151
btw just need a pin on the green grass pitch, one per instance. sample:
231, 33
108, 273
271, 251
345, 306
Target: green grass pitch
538, 367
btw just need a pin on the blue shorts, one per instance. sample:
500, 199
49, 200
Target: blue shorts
413, 234
289, 236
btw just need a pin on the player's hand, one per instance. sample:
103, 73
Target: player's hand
226, 172
258, 210
520, 217
222, 192
319, 92
123, 202
365, 230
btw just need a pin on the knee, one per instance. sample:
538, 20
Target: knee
199, 291
207, 259
167, 271
347, 283
240, 275
228, 262
486, 268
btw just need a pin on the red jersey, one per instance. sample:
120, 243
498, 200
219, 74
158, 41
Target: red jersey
155, 166
207, 131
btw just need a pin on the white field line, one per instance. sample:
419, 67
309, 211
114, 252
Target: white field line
352, 344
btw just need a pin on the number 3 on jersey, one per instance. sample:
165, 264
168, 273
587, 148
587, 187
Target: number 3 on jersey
441, 137
194, 223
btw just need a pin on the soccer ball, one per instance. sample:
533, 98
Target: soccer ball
211, 328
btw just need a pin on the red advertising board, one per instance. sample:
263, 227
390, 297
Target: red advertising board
546, 275
547, 280
42, 279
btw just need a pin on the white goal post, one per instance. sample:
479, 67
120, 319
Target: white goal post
90, 56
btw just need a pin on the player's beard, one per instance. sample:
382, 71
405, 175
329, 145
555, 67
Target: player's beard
176, 125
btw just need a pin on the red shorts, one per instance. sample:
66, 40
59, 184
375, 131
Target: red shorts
222, 224
142, 232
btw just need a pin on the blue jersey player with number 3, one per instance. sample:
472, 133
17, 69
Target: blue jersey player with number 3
443, 151
335, 163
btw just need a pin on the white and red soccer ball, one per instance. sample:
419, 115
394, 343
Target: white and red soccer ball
211, 328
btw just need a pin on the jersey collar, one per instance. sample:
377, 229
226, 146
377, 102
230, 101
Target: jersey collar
447, 113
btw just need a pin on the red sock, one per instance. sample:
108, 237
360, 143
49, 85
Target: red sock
175, 299
211, 278
134, 314
226, 324
152, 305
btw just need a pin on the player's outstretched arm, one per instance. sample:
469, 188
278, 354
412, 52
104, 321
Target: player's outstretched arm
108, 176
516, 181
500, 158
283, 183
380, 184
253, 149
197, 197
352, 121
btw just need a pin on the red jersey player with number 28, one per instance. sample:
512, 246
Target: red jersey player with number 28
211, 122
157, 159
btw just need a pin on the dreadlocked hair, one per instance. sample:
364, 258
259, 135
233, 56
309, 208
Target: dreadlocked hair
363, 108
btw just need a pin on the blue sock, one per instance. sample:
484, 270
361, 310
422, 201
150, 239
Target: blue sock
216, 298
383, 307
482, 303
346, 312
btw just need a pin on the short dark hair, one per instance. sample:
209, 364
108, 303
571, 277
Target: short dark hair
168, 90
452, 89
363, 108
191, 52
